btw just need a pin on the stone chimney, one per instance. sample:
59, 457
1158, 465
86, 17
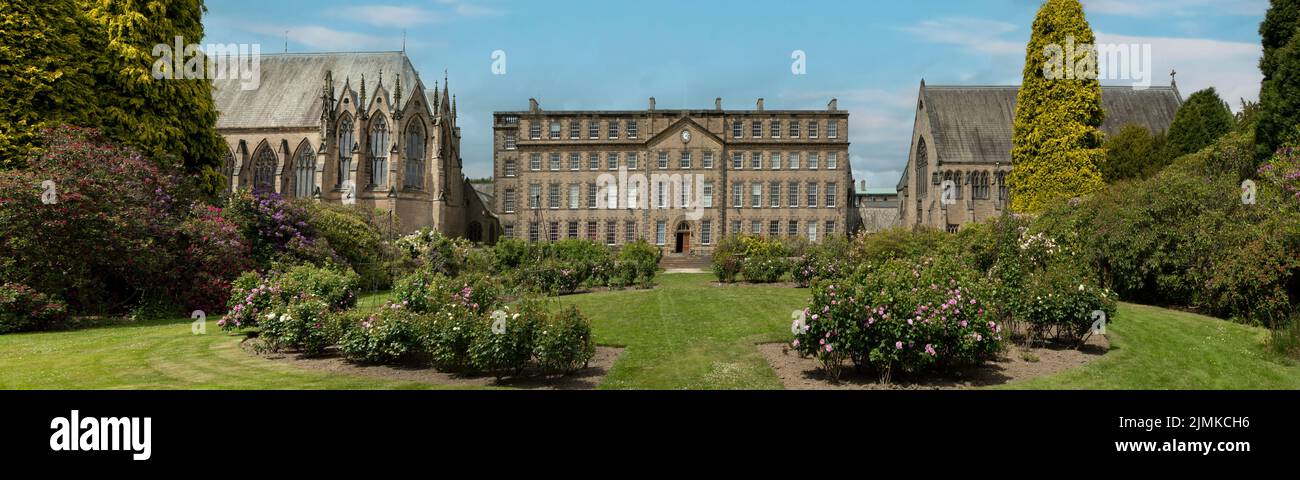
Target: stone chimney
652, 104
717, 104
760, 104
532, 105
864, 186
834, 105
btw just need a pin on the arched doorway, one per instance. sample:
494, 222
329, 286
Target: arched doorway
683, 238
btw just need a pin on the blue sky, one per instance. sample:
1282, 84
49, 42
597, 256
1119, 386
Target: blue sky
579, 54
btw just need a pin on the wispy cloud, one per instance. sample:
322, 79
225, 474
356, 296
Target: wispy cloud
407, 16
1230, 67
973, 34
880, 129
1180, 8
388, 15
328, 39
466, 9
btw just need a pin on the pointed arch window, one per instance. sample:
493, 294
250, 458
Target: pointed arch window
415, 155
922, 164
379, 152
347, 142
264, 169
227, 170
304, 172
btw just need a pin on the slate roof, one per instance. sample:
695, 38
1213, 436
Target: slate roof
289, 92
973, 124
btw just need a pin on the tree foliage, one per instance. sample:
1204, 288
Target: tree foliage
44, 81
89, 63
1056, 144
1134, 153
1279, 95
1202, 119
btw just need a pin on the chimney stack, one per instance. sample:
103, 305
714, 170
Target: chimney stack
834, 105
760, 104
864, 186
717, 104
532, 105
652, 104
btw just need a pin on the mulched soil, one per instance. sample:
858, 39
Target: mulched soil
586, 379
798, 373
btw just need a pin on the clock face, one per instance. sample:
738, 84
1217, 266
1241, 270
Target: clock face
686, 136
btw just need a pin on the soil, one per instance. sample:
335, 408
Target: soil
331, 361
798, 373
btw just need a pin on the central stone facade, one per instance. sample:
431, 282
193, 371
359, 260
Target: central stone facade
681, 179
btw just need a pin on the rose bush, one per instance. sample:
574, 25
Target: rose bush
904, 315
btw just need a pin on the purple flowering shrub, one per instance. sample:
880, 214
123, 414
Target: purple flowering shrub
904, 315
277, 229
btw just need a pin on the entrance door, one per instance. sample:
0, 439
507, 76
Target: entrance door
683, 238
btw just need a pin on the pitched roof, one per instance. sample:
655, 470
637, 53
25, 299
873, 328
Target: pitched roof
289, 91
974, 124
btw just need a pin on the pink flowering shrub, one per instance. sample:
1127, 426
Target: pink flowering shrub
427, 291
904, 315
104, 242
23, 309
306, 326
1283, 170
254, 295
213, 254
385, 336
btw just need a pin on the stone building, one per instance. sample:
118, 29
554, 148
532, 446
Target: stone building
877, 208
617, 176
963, 134
355, 128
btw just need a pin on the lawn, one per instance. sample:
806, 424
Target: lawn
687, 333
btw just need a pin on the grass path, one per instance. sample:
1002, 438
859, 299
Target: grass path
690, 334
687, 333
1155, 348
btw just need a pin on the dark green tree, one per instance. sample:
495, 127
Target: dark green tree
43, 80
1202, 119
165, 118
1279, 94
89, 63
1134, 153
1056, 146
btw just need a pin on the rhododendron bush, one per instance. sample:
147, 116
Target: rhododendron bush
900, 316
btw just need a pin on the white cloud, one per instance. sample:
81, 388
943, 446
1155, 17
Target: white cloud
880, 129
1181, 8
407, 16
388, 15
974, 34
1230, 67
466, 9
327, 39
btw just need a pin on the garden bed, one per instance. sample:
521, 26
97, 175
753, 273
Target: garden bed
333, 362
800, 373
